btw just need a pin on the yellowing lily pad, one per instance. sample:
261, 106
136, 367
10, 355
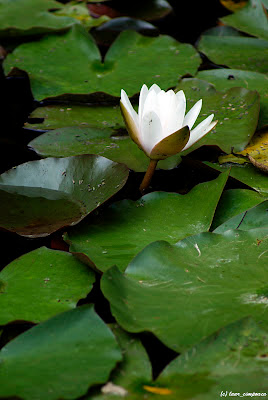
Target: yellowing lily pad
126, 227
160, 60
236, 110
29, 17
257, 150
184, 292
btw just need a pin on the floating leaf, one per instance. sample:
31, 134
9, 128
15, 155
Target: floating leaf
126, 227
48, 194
233, 358
233, 5
243, 53
30, 17
84, 116
60, 358
183, 293
106, 142
251, 19
247, 174
147, 60
226, 78
40, 284
233, 202
256, 217
134, 370
236, 110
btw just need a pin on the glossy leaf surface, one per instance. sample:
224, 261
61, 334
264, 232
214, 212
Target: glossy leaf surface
42, 283
183, 293
126, 227
60, 358
60, 191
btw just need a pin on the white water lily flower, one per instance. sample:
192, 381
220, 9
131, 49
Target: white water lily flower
161, 128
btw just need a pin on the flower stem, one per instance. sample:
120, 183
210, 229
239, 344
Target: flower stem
148, 176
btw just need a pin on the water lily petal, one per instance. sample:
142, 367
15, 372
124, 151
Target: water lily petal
201, 130
181, 97
171, 144
143, 94
128, 105
151, 103
155, 88
132, 127
151, 129
191, 116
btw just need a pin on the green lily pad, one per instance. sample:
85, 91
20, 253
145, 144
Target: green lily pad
255, 217
134, 370
42, 283
247, 174
30, 17
160, 60
243, 53
84, 116
149, 9
224, 79
233, 360
251, 19
49, 194
236, 110
126, 227
233, 202
105, 142
60, 358
183, 293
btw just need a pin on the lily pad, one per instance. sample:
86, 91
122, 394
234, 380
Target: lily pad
126, 227
40, 284
185, 292
148, 9
60, 358
237, 111
256, 217
117, 147
30, 17
147, 60
251, 19
257, 150
134, 370
233, 202
247, 174
84, 116
243, 53
52, 193
224, 79
233, 358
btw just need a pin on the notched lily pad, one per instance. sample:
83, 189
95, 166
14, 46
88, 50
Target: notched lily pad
42, 283
147, 60
185, 292
39, 197
29, 17
126, 227
59, 358
236, 110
